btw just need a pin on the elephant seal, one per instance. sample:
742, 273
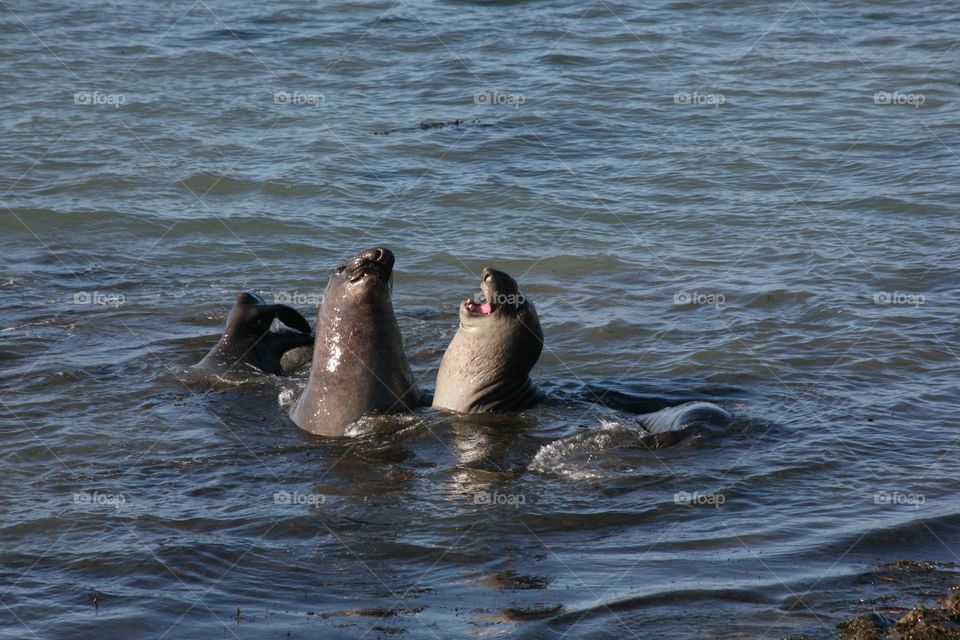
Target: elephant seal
359, 366
249, 340
683, 416
487, 365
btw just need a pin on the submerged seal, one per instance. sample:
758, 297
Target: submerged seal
487, 365
249, 341
359, 366
684, 416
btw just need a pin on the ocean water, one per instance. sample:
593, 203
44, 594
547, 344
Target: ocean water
753, 203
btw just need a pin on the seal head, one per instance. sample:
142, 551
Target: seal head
487, 365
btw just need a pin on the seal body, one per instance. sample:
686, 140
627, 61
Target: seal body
359, 366
487, 365
248, 339
683, 416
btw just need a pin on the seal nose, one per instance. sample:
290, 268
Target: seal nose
248, 298
379, 255
487, 273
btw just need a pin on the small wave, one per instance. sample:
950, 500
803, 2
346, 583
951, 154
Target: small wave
206, 182
231, 34
565, 457
373, 425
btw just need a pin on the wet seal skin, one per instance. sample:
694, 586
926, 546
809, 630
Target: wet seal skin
487, 365
249, 341
359, 365
684, 416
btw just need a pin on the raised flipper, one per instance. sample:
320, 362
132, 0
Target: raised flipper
683, 416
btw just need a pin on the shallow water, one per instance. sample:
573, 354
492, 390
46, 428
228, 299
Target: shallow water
704, 202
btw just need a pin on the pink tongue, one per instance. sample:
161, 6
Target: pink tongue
485, 308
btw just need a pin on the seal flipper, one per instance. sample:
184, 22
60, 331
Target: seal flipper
685, 415
292, 349
287, 315
248, 339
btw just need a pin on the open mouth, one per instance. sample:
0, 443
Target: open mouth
478, 305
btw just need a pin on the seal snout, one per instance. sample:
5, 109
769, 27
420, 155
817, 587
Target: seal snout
377, 261
379, 255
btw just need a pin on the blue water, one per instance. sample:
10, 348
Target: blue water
747, 202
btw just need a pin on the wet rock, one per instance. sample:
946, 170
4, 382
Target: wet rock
924, 623
869, 626
920, 623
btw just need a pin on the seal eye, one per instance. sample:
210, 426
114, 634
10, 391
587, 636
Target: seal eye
341, 269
